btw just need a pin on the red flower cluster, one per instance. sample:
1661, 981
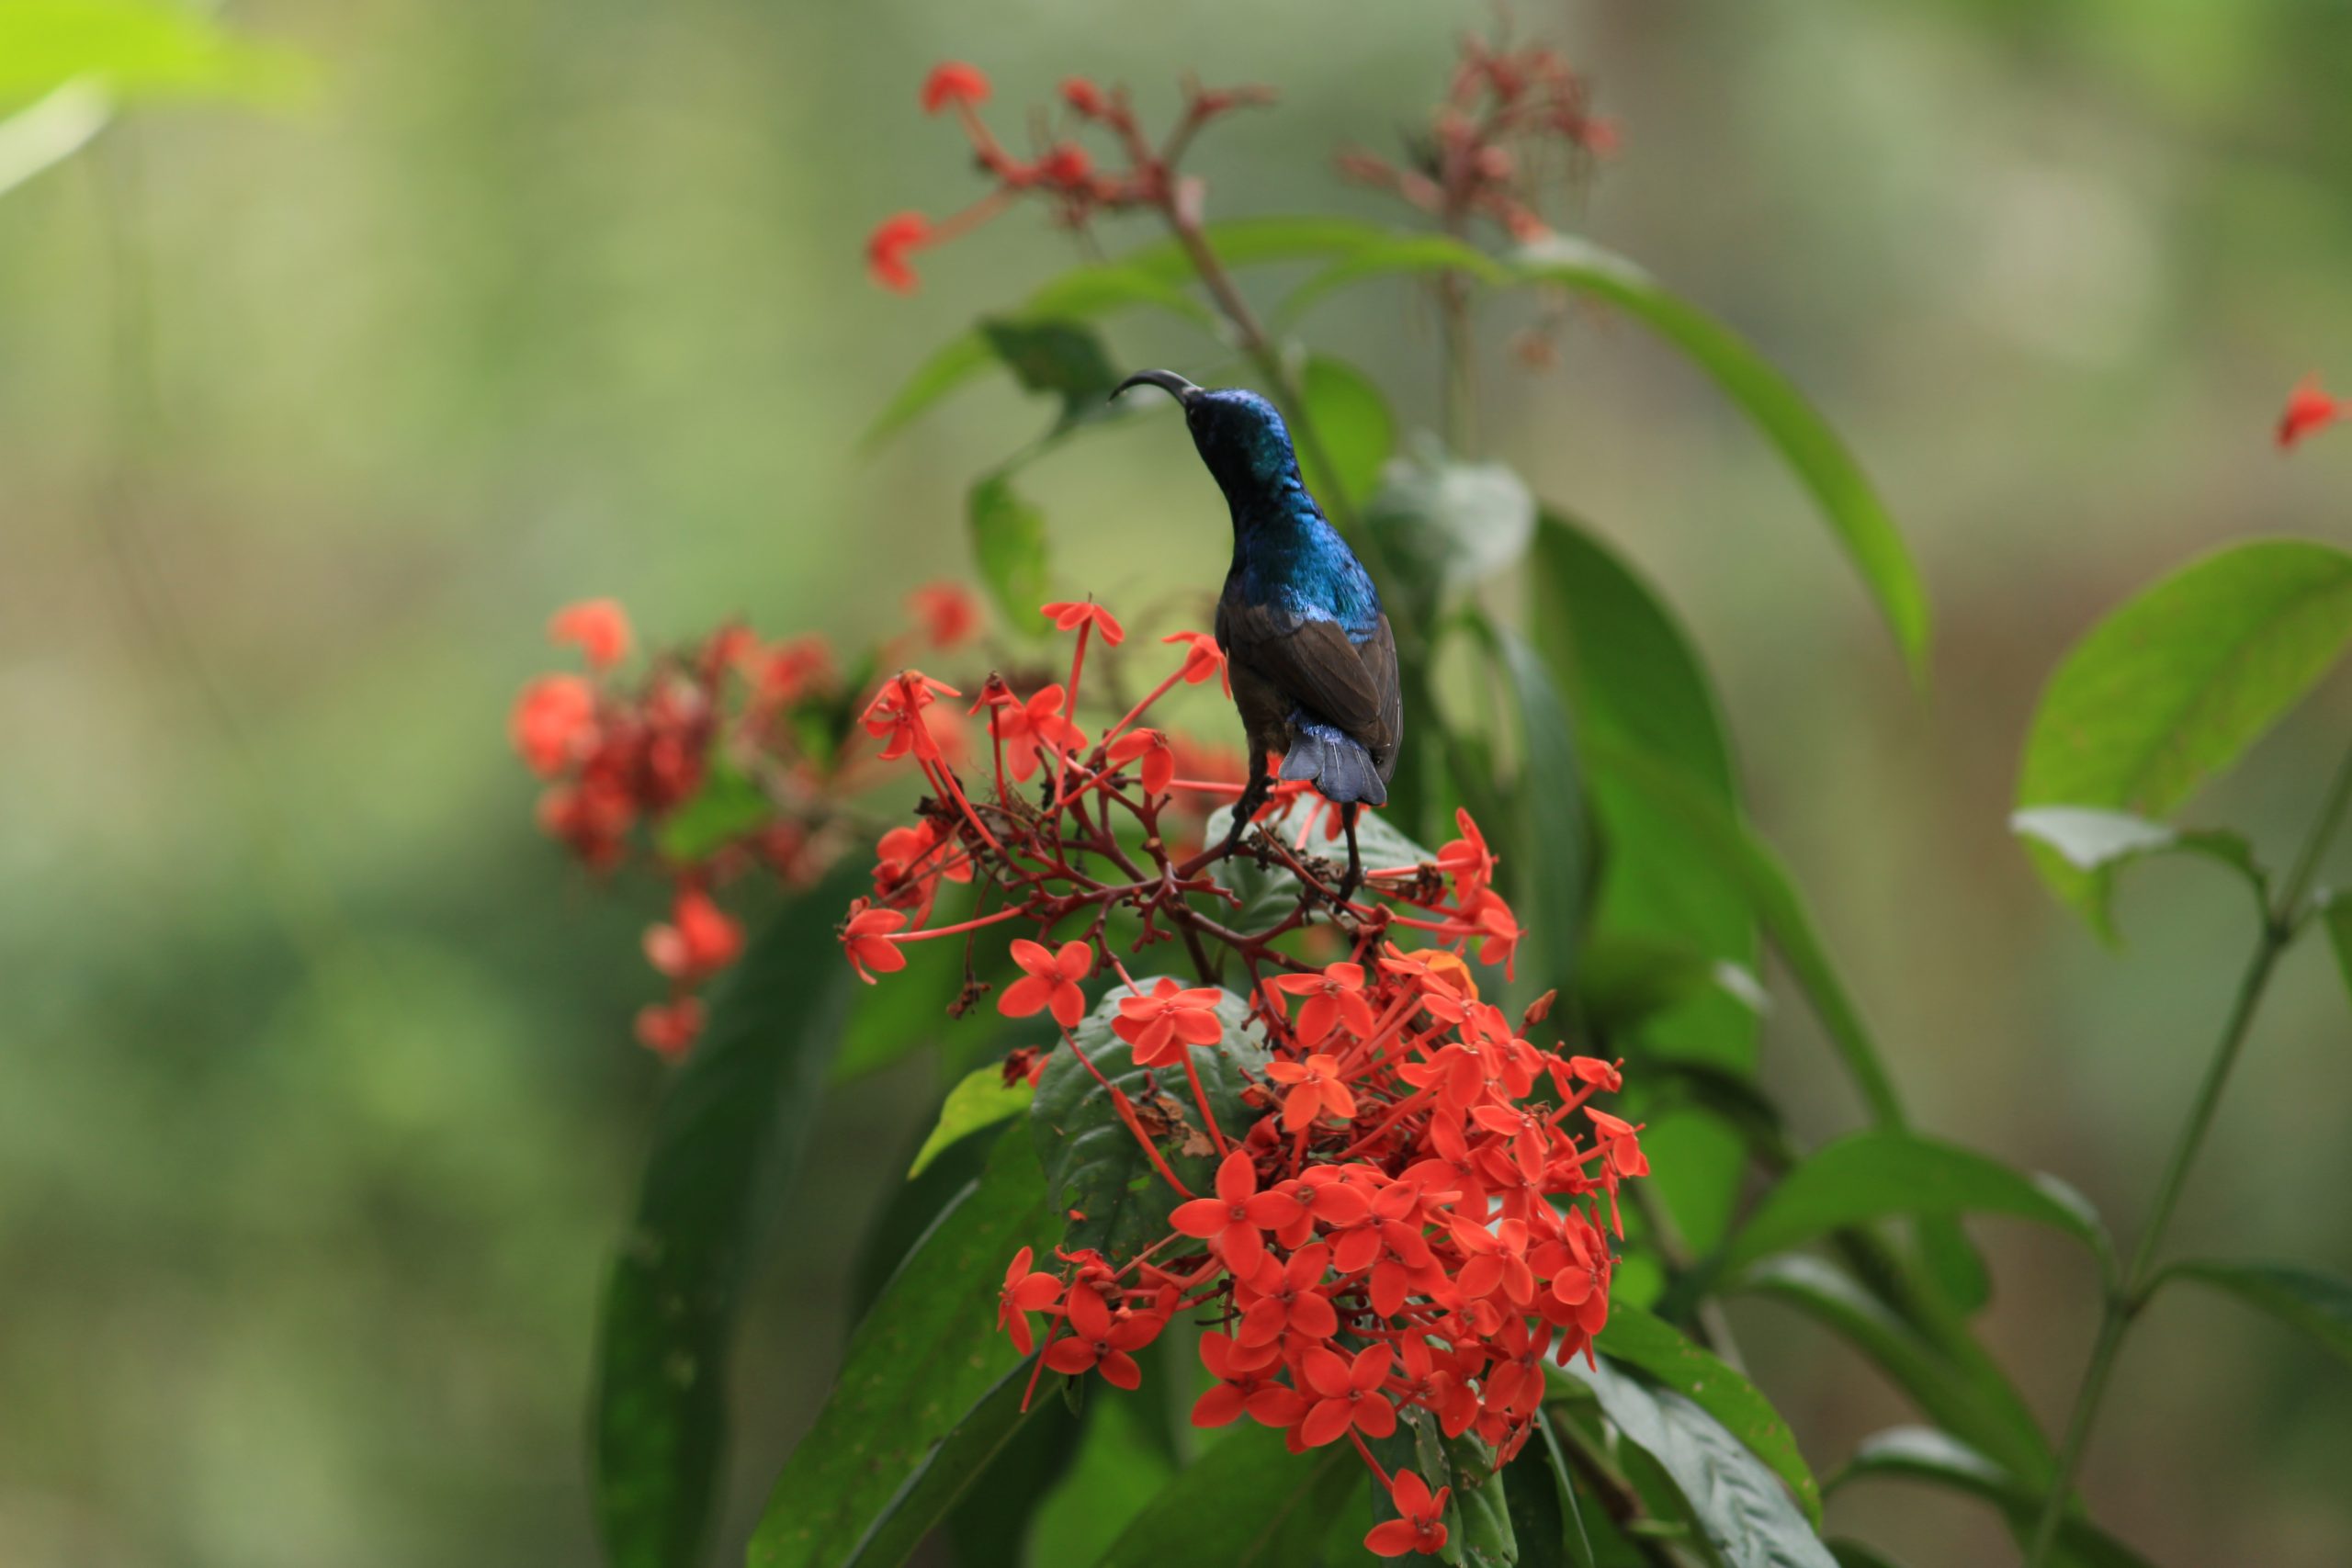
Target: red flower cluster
1418, 1210
2309, 408
626, 763
1060, 170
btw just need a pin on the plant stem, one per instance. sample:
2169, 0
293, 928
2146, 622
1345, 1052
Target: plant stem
2124, 1301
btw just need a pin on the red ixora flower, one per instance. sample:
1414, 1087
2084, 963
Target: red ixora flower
554, 723
599, 626
1202, 659
2309, 408
1024, 1294
1069, 616
1159, 1024
946, 612
886, 249
670, 1029
1334, 996
1422, 1527
895, 715
1026, 727
1159, 762
1050, 983
953, 81
1316, 1090
865, 937
700, 939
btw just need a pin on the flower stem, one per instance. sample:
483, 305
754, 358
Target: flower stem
2124, 1302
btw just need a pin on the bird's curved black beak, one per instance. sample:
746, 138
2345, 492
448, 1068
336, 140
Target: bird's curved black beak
1168, 382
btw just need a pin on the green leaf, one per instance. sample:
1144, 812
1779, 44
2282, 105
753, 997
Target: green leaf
46, 134
1094, 1167
1980, 1405
2173, 687
1062, 358
2319, 1304
980, 1098
1626, 982
1736, 1501
1387, 256
2090, 839
1780, 412
2337, 913
1256, 242
1357, 430
138, 49
1117, 1473
920, 1393
1248, 1502
1854, 1554
1268, 893
1657, 1348
727, 1140
1443, 525
1556, 876
1009, 548
1918, 1453
729, 805
1874, 1175
1542, 1504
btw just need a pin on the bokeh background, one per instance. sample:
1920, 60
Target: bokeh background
321, 1111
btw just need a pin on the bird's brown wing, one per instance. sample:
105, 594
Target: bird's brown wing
1313, 662
1379, 657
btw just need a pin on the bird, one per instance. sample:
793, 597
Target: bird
1312, 658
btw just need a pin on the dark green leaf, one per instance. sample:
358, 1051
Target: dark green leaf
1780, 411
884, 1458
1443, 524
2338, 915
980, 1098
727, 805
1117, 1472
2173, 687
1352, 420
1625, 982
1064, 358
905, 1216
1919, 1453
1009, 548
1659, 1349
1388, 255
2090, 839
1558, 873
1094, 1167
2319, 1304
1980, 1405
1541, 1501
1270, 892
1737, 1502
728, 1138
1854, 1554
1248, 1502
1874, 1175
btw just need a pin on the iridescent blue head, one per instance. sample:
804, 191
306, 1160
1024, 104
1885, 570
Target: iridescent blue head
1239, 436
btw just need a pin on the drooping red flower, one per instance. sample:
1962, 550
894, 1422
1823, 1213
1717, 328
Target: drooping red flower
699, 940
1158, 761
895, 715
865, 937
2308, 409
1049, 982
886, 249
909, 863
1202, 659
670, 1029
1422, 1527
1467, 860
1160, 1024
1025, 728
946, 611
599, 627
1024, 1293
1069, 616
554, 723
953, 81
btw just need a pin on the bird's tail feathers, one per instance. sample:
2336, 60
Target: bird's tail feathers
1340, 770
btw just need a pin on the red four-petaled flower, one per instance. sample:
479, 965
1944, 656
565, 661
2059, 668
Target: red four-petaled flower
1049, 982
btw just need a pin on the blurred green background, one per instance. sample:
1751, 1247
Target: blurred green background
321, 1108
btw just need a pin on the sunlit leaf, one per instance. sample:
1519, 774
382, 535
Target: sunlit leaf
1875, 1174
1747, 1516
1357, 432
2319, 1304
1098, 1174
2174, 686
1919, 1453
1009, 548
921, 1404
1657, 1348
1247, 1503
2090, 839
47, 132
728, 1138
1804, 437
980, 1098
137, 49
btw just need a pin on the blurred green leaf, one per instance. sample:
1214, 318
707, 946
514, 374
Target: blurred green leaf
1623, 982
1117, 1472
1980, 1405
1874, 1175
2090, 839
726, 1141
1388, 254
1270, 892
1009, 548
1919, 1453
43, 134
729, 805
1555, 881
1065, 359
980, 1098
138, 49
1443, 525
2319, 1304
1092, 1164
1854, 1554
1256, 242
1736, 1501
2174, 686
1804, 437
921, 1403
1657, 1348
2338, 915
1357, 430
1248, 1502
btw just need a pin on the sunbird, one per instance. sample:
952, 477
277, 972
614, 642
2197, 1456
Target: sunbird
1313, 662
